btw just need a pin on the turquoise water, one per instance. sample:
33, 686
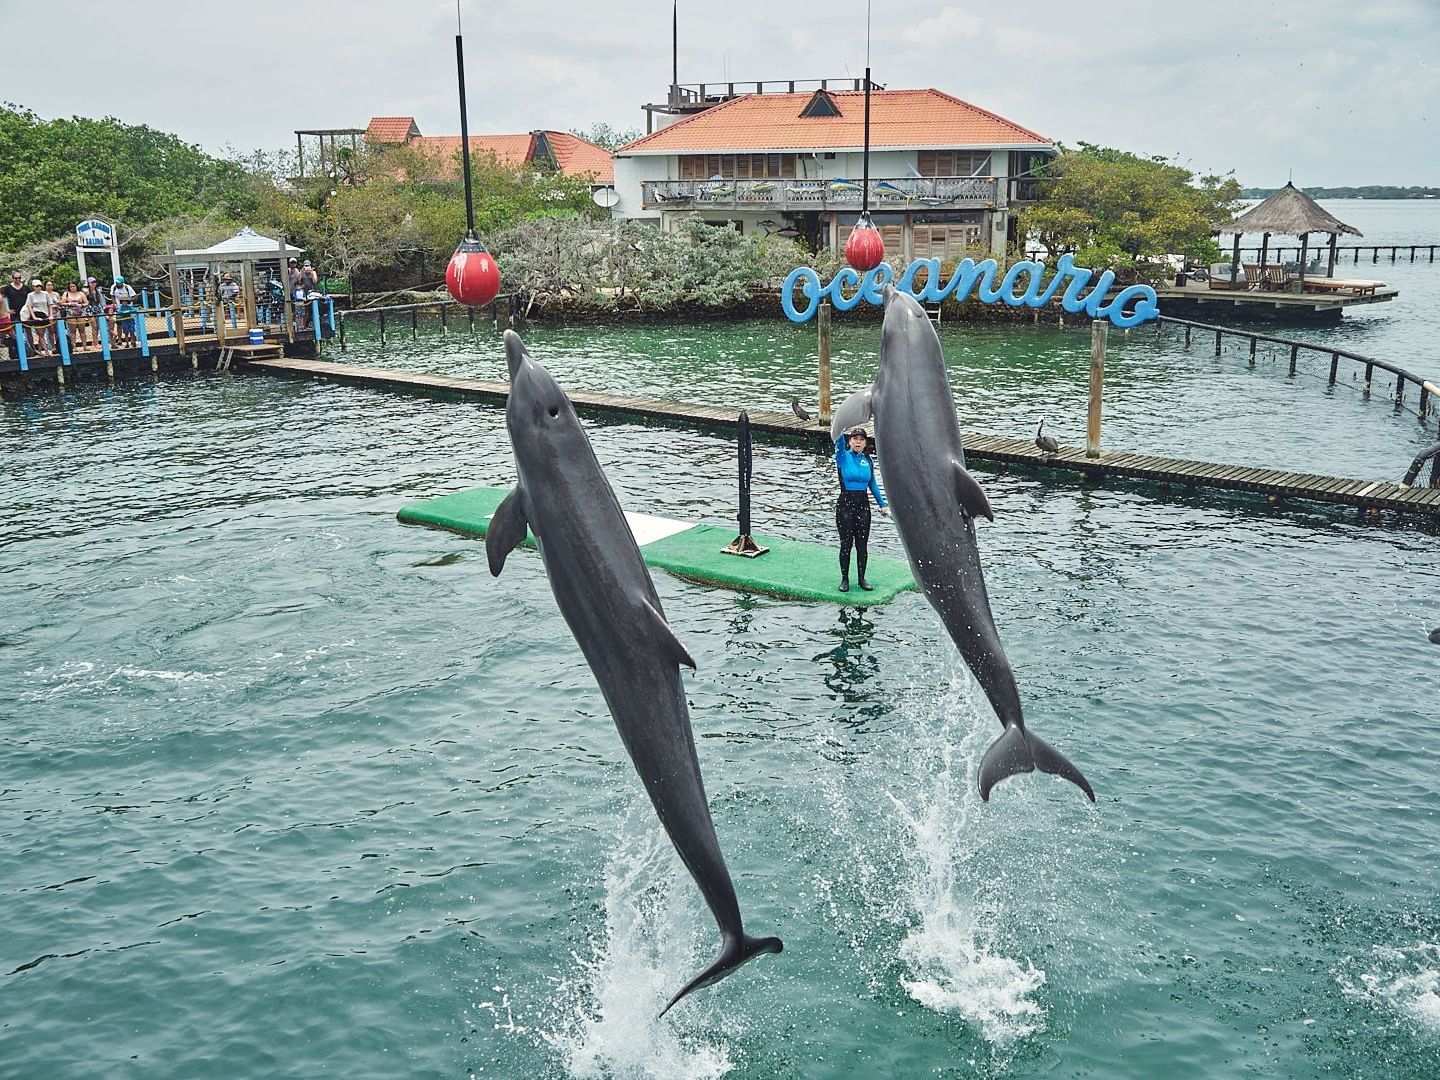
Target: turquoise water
287, 789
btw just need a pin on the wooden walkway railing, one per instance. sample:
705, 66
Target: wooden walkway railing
1275, 484
443, 306
1426, 395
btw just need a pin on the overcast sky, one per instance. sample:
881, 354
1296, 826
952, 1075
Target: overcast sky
1337, 91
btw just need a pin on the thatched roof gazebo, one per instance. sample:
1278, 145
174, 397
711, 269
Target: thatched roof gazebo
1289, 212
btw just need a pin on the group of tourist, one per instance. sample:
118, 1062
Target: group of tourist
35, 310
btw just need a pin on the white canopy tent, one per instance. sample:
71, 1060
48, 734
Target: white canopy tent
246, 249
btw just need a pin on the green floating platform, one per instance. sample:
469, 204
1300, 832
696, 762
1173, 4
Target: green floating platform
794, 569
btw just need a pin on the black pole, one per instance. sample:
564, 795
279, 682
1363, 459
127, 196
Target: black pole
865, 187
744, 457
675, 54
465, 138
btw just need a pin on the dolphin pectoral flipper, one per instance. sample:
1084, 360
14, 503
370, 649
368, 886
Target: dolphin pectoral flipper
665, 633
733, 952
506, 531
972, 495
855, 409
1019, 750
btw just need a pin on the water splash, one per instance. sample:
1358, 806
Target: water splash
654, 937
1403, 983
953, 961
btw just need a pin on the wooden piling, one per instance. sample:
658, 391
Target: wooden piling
1294, 352
1099, 334
445, 319
382, 328
1254, 341
825, 413
1334, 366
1217, 342
342, 331
414, 324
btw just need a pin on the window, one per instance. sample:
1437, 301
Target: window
737, 166
954, 162
821, 104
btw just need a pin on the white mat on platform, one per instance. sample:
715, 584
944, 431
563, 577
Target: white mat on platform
648, 528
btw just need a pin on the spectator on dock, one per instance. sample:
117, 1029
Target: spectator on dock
37, 316
295, 282
229, 293
73, 303
122, 299
16, 293
7, 325
94, 309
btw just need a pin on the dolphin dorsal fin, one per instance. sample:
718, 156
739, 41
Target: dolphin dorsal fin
855, 409
506, 531
972, 495
665, 634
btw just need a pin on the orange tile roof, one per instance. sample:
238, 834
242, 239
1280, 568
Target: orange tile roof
578, 157
391, 129
574, 156
912, 119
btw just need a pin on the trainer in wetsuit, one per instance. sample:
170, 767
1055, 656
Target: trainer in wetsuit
852, 511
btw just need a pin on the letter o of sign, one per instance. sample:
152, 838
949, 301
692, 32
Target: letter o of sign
810, 288
845, 277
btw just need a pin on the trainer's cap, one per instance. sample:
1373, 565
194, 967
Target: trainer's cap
858, 431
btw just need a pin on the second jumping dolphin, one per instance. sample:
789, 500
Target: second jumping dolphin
934, 500
605, 594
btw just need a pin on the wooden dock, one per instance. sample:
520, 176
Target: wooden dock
1275, 484
1326, 305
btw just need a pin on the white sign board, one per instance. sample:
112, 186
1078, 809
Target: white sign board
94, 236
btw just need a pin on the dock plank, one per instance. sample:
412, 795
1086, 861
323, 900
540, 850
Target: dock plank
981, 446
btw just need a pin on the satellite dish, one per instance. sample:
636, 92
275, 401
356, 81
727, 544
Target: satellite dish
605, 197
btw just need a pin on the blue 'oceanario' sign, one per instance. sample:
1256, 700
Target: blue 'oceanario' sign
980, 278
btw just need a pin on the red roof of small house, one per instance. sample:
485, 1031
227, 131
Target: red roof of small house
899, 119
573, 155
391, 129
578, 157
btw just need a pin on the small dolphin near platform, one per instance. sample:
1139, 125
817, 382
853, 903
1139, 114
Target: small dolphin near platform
934, 501
607, 597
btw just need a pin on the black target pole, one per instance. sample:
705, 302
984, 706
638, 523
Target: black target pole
745, 450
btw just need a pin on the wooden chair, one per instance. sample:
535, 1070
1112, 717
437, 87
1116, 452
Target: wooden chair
1276, 278
1254, 279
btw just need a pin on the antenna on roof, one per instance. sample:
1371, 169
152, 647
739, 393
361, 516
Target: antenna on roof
675, 49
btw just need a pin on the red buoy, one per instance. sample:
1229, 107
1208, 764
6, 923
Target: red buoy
473, 276
865, 249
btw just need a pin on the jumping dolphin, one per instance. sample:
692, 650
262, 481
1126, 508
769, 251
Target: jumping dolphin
934, 501
610, 604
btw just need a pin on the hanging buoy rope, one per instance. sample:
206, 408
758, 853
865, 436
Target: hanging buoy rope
865, 247
473, 276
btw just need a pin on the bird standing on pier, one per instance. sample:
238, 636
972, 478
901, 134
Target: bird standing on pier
1046, 443
798, 409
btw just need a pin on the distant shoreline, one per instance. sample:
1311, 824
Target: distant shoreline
1376, 191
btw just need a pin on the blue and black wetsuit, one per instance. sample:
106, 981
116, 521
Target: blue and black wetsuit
852, 510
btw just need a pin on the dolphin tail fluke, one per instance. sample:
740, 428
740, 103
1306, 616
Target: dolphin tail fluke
1019, 750
1050, 760
734, 952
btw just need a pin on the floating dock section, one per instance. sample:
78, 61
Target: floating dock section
791, 569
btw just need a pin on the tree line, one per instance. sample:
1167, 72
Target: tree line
389, 218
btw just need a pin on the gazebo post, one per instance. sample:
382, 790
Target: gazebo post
1235, 261
1264, 249
247, 287
1334, 238
285, 291
1304, 256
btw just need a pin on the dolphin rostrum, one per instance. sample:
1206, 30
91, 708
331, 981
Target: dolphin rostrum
934, 501
606, 596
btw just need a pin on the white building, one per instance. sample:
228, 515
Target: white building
944, 174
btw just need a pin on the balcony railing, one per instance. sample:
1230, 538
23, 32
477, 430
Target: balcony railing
692, 94
894, 193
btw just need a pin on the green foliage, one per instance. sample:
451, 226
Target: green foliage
634, 265
59, 172
1120, 211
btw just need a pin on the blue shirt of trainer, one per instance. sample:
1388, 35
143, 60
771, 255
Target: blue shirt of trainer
857, 471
